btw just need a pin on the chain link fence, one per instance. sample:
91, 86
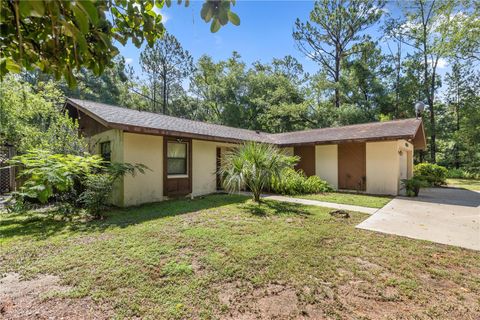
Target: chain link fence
7, 172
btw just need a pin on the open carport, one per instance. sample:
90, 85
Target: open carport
443, 215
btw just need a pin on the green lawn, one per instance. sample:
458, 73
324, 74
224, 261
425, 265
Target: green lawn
469, 184
350, 198
224, 257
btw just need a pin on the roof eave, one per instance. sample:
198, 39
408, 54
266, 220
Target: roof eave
419, 140
339, 141
152, 131
88, 113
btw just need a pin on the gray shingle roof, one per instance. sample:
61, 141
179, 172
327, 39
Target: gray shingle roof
148, 122
405, 128
114, 116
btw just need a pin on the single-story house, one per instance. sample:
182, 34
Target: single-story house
184, 155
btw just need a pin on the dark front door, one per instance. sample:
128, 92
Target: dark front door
307, 159
177, 166
352, 166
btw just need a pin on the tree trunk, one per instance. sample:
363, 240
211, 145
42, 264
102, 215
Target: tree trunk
164, 79
457, 129
337, 77
397, 79
154, 107
431, 97
429, 87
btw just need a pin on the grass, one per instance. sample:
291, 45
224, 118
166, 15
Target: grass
470, 184
223, 256
350, 198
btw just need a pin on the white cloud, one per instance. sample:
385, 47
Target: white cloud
128, 60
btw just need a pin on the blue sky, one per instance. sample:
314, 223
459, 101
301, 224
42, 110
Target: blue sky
265, 32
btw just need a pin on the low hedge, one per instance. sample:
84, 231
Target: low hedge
433, 174
294, 182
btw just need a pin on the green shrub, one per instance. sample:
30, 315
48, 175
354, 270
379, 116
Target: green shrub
99, 186
413, 185
292, 182
253, 166
69, 180
463, 174
433, 174
47, 175
316, 185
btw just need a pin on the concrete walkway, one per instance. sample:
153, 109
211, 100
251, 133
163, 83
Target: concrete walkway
316, 203
443, 215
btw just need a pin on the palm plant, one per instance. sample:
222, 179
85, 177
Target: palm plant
253, 165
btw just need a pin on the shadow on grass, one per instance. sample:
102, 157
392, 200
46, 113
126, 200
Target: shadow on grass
42, 225
272, 207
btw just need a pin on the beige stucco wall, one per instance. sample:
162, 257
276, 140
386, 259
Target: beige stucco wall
386, 166
147, 150
326, 163
115, 137
204, 165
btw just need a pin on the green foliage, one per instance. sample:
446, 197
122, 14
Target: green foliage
72, 180
32, 117
219, 13
413, 185
433, 174
266, 97
334, 32
463, 174
117, 85
59, 37
167, 64
253, 165
98, 188
459, 119
117, 169
46, 174
173, 268
292, 182
315, 185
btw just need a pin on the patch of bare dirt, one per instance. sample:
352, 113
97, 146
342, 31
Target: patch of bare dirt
352, 299
91, 239
35, 299
360, 299
274, 301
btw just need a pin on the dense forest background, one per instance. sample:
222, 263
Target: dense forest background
359, 80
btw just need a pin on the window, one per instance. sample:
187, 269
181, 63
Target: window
177, 158
106, 151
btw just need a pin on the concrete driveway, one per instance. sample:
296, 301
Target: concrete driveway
444, 215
